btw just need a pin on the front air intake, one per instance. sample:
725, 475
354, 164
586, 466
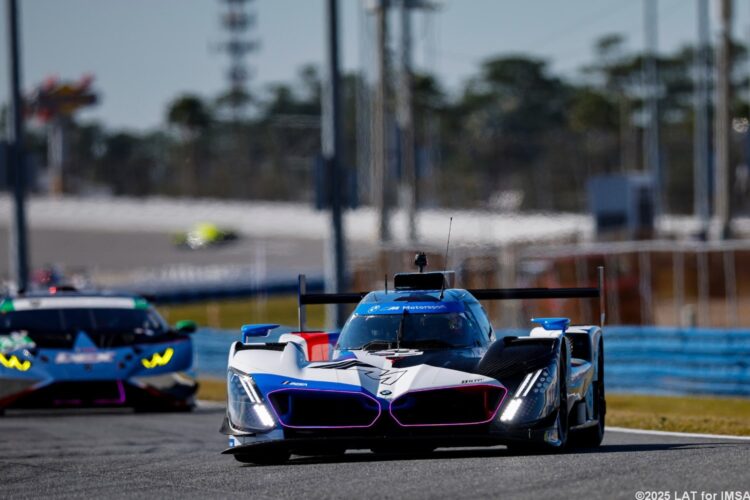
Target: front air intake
324, 409
466, 405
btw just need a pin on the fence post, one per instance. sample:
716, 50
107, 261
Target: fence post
645, 285
704, 314
730, 287
678, 285
302, 289
611, 265
582, 280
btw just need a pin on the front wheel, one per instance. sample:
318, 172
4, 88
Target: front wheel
562, 422
591, 437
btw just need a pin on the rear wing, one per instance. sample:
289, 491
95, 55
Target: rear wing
304, 298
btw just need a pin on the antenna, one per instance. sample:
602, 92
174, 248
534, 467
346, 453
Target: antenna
386, 283
445, 262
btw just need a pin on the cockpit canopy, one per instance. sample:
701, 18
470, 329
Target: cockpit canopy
414, 322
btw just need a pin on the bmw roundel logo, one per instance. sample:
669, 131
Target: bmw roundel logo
385, 392
373, 308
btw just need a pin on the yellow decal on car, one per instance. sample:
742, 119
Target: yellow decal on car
158, 359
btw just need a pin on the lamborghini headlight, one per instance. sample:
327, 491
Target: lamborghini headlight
13, 362
245, 407
158, 359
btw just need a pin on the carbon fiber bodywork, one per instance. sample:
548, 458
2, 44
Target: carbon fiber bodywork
415, 368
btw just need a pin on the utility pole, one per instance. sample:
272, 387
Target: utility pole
722, 119
651, 142
239, 19
331, 142
18, 239
380, 125
701, 131
410, 185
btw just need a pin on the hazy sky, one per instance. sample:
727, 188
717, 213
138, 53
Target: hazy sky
145, 52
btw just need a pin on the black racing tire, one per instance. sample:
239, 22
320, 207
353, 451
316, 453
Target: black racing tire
562, 412
265, 457
591, 437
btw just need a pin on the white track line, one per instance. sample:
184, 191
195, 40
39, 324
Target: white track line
626, 430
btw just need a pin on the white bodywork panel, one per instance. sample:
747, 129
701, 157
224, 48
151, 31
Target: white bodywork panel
373, 372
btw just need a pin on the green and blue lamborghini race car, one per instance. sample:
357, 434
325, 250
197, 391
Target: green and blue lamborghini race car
72, 349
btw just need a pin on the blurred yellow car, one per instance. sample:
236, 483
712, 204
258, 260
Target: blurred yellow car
204, 235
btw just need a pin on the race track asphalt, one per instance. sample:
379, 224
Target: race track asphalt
125, 455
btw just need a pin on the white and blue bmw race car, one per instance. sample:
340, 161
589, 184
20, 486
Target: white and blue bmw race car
413, 369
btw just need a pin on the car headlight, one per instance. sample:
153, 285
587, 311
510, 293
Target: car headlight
158, 359
533, 394
245, 407
13, 362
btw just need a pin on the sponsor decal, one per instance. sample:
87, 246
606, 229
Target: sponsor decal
385, 392
295, 384
385, 377
472, 381
15, 341
382, 375
412, 307
84, 358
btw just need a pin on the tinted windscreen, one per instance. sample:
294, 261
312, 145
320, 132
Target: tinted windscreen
45, 327
381, 331
57, 328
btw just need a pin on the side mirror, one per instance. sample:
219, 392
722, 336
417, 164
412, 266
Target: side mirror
185, 326
260, 330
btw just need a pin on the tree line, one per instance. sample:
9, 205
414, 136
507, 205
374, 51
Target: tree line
513, 131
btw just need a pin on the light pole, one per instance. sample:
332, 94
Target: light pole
331, 142
18, 240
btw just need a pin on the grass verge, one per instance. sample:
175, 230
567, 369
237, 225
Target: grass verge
212, 389
663, 413
680, 414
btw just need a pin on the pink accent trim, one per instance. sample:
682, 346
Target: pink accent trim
377, 403
455, 387
120, 400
